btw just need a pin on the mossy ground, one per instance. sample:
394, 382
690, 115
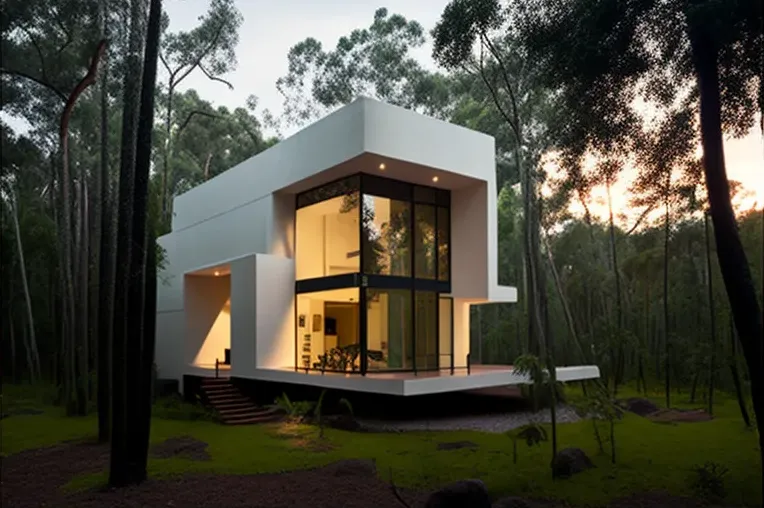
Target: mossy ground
650, 456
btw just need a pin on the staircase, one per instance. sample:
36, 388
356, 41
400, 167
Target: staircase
233, 407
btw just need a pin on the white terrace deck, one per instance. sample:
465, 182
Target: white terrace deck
408, 383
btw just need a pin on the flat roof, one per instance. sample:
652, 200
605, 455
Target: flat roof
408, 383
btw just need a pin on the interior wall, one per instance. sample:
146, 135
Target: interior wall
324, 239
461, 331
218, 338
205, 298
244, 316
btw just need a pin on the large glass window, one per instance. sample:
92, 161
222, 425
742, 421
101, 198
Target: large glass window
426, 324
386, 236
327, 232
425, 259
328, 334
396, 236
389, 331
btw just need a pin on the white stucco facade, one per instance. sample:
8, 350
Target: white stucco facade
236, 233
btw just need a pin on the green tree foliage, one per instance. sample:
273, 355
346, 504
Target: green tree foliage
374, 61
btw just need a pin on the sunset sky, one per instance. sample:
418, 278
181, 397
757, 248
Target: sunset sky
267, 35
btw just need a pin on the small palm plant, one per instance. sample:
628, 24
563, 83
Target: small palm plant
532, 433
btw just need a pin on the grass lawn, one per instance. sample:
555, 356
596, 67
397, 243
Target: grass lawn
650, 456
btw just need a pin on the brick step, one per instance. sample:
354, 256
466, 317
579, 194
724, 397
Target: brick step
210, 381
228, 399
221, 390
233, 405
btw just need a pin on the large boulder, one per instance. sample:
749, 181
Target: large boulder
461, 494
570, 461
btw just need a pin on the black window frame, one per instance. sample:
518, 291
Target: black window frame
379, 186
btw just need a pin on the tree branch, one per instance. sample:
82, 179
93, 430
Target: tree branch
39, 81
164, 62
215, 78
190, 116
39, 51
85, 82
639, 220
505, 74
494, 94
201, 55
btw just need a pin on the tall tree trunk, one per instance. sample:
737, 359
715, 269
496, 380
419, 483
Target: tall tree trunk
81, 303
617, 363
666, 339
712, 314
141, 291
733, 262
106, 255
736, 377
34, 356
119, 466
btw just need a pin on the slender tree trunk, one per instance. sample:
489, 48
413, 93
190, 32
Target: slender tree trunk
667, 340
106, 254
733, 262
34, 356
617, 363
119, 467
12, 337
712, 314
736, 377
82, 302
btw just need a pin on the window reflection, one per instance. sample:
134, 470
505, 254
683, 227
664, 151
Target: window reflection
426, 321
424, 242
386, 236
444, 241
327, 237
389, 329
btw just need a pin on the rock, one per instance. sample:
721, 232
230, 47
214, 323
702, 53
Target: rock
511, 502
570, 461
461, 494
355, 467
638, 406
456, 445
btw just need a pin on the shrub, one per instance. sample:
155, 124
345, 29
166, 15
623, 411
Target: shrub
707, 481
173, 407
294, 409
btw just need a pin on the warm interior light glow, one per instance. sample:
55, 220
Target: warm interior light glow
217, 273
434, 178
382, 166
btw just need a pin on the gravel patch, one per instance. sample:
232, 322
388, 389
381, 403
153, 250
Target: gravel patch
486, 423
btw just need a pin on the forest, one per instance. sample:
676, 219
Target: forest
661, 286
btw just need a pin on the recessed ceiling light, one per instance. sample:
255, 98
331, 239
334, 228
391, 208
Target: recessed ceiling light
217, 273
382, 167
434, 178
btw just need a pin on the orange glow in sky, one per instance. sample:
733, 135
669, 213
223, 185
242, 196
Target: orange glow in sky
745, 163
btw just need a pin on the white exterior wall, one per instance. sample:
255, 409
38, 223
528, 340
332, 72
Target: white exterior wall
243, 219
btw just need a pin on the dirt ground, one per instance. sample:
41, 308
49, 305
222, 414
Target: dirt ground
34, 479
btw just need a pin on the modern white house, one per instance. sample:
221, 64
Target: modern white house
347, 256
